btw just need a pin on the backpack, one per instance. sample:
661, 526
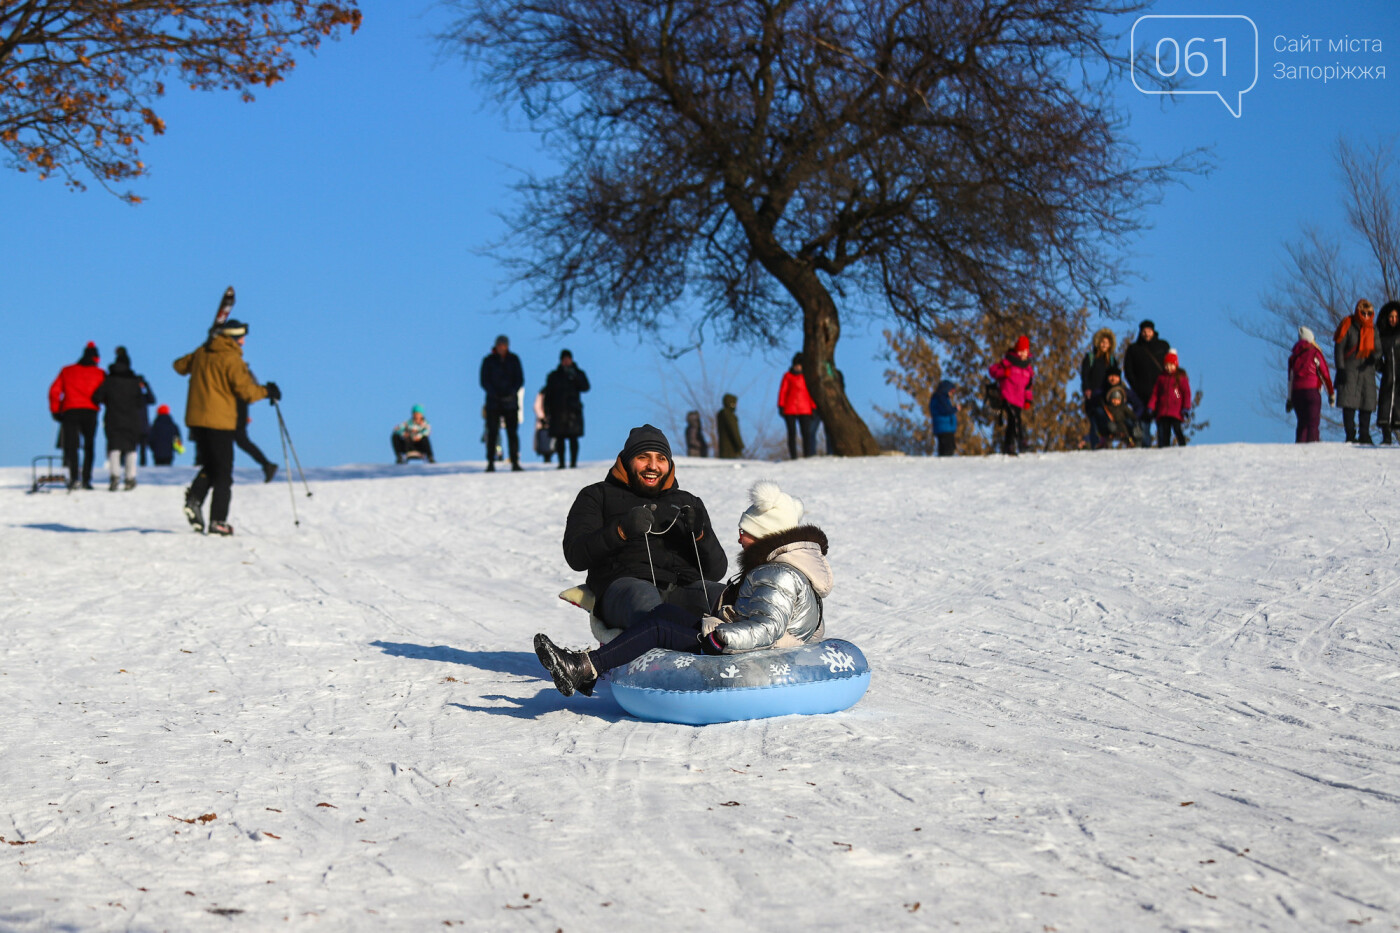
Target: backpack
991, 394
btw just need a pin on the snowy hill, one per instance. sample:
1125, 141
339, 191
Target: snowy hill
1139, 690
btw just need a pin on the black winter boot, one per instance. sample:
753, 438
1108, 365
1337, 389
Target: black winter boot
1386, 438
571, 670
192, 514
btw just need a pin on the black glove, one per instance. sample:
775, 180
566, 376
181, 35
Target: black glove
1288, 405
712, 643
636, 522
57, 416
688, 519
274, 394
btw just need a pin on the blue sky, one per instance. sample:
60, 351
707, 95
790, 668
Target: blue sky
348, 207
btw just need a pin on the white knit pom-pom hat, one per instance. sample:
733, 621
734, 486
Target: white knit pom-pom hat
772, 511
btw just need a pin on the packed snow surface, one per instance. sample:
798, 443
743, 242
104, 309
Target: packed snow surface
1132, 690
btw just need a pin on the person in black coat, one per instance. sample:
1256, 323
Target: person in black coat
163, 437
245, 443
643, 540
1143, 362
563, 407
1388, 347
125, 396
501, 378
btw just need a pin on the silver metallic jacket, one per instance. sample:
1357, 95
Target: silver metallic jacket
779, 602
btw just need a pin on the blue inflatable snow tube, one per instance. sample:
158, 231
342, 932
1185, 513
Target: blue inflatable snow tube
695, 689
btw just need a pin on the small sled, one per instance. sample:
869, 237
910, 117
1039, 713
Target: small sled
51, 476
582, 597
414, 455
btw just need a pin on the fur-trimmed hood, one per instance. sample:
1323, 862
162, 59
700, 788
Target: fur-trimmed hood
802, 548
1112, 342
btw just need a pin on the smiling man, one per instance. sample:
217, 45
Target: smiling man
643, 540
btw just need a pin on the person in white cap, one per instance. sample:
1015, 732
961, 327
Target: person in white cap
775, 601
1307, 374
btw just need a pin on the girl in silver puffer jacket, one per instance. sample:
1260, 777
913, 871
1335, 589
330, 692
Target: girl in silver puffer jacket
775, 601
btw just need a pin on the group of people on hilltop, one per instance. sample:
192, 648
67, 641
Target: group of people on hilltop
216, 415
1362, 351
795, 405
1149, 390
558, 407
80, 391
1121, 402
559, 420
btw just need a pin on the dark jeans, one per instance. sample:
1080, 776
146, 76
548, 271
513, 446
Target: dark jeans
572, 443
808, 426
666, 626
79, 423
493, 432
1013, 439
1093, 409
1166, 427
628, 599
1307, 406
215, 451
947, 443
403, 445
1349, 423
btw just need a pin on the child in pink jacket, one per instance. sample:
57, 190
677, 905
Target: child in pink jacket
1170, 403
1014, 375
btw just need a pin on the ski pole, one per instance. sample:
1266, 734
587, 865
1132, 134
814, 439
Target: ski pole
286, 465
287, 435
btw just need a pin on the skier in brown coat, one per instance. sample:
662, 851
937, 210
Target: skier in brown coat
219, 378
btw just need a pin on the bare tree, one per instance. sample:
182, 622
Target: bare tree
1324, 273
737, 167
78, 77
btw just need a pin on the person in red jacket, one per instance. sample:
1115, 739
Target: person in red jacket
1307, 374
1170, 404
1015, 376
798, 410
71, 404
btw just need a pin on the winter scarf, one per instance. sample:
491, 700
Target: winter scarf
1365, 336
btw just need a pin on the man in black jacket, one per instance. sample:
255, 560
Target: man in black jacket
501, 378
642, 540
1143, 362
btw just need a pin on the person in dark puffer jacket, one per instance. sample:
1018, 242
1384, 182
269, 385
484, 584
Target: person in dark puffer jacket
642, 539
125, 395
1388, 346
501, 378
1143, 361
775, 601
165, 437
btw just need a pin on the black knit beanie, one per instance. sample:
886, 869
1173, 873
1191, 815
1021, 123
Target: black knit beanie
644, 439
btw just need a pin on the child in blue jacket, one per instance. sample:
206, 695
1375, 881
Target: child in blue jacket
943, 408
